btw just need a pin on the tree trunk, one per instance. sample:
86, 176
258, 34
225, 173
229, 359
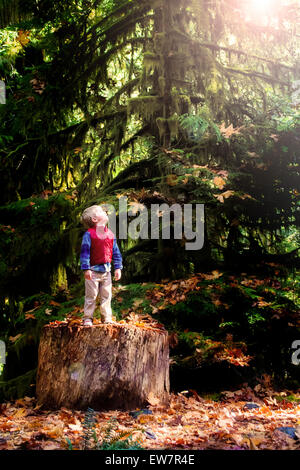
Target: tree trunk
105, 367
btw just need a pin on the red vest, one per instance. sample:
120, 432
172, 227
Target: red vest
101, 246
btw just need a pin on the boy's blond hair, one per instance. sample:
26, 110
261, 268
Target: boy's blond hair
88, 214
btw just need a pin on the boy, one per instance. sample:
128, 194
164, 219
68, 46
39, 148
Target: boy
99, 247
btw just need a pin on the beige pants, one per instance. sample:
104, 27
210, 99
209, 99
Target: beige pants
100, 284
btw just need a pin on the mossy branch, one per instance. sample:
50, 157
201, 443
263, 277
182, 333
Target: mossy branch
253, 74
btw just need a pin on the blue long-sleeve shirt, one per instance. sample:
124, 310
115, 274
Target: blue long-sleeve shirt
85, 256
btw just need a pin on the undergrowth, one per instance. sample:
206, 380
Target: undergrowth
112, 438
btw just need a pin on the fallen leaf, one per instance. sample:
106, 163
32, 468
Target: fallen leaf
14, 338
51, 446
152, 399
224, 195
75, 427
230, 130
56, 304
20, 413
23, 37
252, 444
219, 182
171, 180
29, 316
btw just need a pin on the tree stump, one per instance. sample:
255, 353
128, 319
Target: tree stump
105, 367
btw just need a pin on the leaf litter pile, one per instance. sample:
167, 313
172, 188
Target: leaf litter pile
255, 419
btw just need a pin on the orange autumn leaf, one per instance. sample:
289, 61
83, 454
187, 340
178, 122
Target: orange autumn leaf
219, 182
125, 436
224, 195
20, 413
29, 316
32, 310
14, 338
23, 37
214, 275
55, 432
227, 194
180, 441
152, 399
74, 322
44, 194
230, 130
143, 419
56, 304
263, 303
38, 85
171, 180
245, 196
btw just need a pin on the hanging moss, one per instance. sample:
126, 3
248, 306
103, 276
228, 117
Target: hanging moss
173, 126
159, 41
162, 85
213, 87
184, 103
59, 279
152, 61
175, 100
145, 106
162, 125
205, 59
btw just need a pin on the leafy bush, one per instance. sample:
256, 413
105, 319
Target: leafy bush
233, 320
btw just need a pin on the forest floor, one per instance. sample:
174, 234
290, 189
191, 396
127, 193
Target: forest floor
255, 419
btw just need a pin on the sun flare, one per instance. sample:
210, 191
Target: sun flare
261, 6
261, 11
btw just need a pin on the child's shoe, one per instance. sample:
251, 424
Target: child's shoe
87, 322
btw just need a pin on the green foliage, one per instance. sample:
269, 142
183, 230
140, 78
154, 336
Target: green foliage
212, 396
18, 387
89, 428
233, 317
112, 439
199, 126
116, 440
33, 243
124, 302
289, 398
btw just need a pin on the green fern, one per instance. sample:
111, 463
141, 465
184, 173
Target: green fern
112, 439
89, 428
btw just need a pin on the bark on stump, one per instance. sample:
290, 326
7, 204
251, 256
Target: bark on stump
105, 367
